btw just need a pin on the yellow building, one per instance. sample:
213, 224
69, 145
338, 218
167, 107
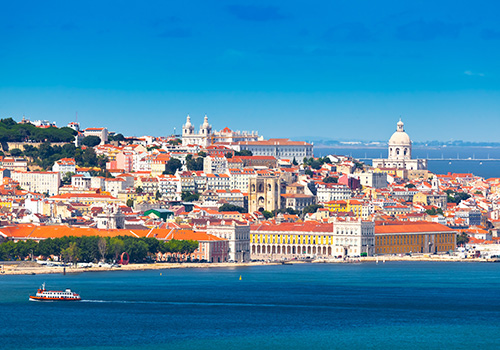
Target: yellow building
342, 206
413, 237
85, 198
343, 237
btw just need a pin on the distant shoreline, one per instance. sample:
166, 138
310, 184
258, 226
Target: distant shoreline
13, 269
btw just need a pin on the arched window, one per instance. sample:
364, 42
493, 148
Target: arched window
397, 151
269, 187
261, 188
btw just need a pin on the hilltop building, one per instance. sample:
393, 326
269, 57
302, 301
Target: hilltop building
202, 138
400, 153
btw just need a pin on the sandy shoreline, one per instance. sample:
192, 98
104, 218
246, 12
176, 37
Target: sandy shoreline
35, 269
14, 269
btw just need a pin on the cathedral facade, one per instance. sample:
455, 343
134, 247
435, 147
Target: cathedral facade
202, 138
400, 153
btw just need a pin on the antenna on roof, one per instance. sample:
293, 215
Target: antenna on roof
77, 116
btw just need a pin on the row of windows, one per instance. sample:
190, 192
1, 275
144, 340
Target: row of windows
413, 239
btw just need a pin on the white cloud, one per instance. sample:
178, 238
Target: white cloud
471, 73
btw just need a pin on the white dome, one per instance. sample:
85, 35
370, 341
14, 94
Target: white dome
400, 138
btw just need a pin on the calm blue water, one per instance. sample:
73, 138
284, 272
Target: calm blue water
459, 162
313, 306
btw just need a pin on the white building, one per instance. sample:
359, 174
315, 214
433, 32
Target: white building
102, 133
238, 236
278, 148
218, 182
40, 182
202, 138
97, 182
81, 182
115, 186
373, 180
64, 166
354, 237
400, 153
227, 135
215, 165
326, 192
169, 187
239, 179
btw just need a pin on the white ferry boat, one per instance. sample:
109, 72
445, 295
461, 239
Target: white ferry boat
54, 295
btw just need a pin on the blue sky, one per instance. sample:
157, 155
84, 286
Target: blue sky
340, 69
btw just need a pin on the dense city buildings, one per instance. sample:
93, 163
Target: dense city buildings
245, 198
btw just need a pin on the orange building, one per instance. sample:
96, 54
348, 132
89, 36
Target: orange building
413, 237
210, 248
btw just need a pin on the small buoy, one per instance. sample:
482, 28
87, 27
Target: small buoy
240, 277
160, 273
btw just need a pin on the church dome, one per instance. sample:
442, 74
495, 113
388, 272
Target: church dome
400, 137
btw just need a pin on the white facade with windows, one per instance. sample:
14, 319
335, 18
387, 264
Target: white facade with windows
332, 192
39, 182
238, 237
215, 165
278, 148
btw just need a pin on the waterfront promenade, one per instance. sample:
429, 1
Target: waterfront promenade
32, 268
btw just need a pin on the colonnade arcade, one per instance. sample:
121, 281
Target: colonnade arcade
290, 250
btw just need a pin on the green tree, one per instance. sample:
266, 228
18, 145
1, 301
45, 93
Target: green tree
190, 196
91, 141
117, 137
116, 247
157, 195
267, 214
312, 208
175, 142
139, 190
130, 203
101, 246
16, 152
434, 211
172, 166
231, 207
244, 153
316, 164
308, 172
462, 239
194, 164
66, 180
71, 253
330, 179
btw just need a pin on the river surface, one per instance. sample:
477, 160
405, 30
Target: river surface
481, 161
392, 305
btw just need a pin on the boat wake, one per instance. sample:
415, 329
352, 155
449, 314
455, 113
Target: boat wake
192, 303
